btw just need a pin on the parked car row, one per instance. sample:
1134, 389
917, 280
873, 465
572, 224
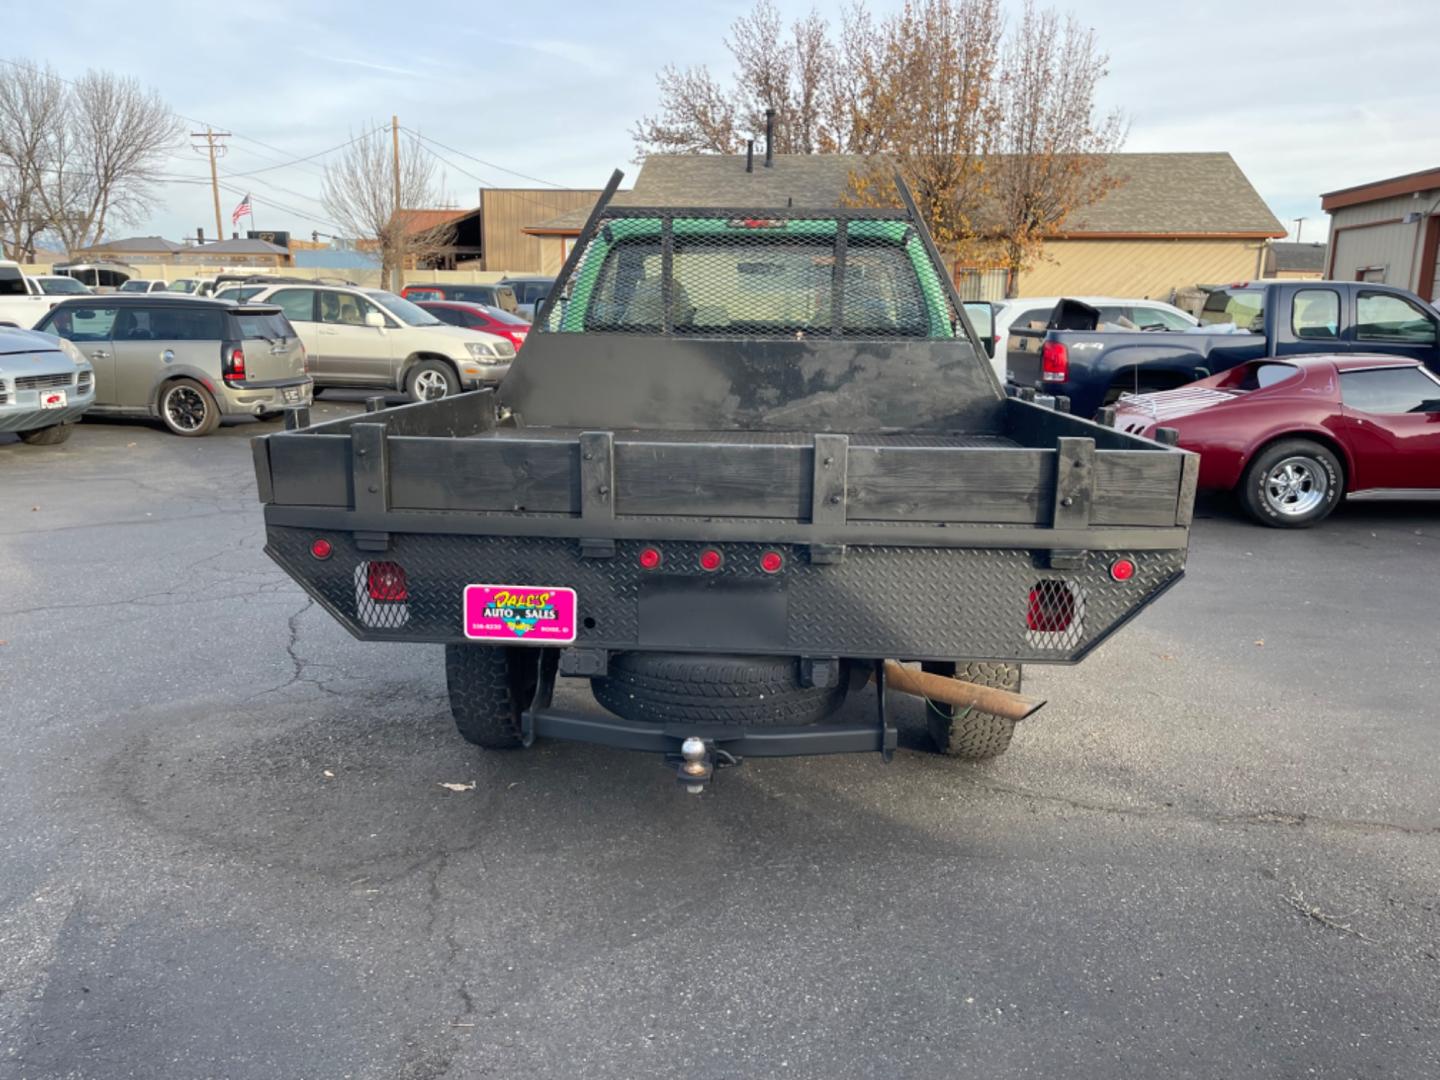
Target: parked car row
1294, 393
45, 386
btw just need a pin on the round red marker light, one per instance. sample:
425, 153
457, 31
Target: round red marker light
1122, 570
321, 548
649, 558
771, 562
710, 559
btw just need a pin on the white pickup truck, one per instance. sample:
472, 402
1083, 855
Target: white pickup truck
21, 301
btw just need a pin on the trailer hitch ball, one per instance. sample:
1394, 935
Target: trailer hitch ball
695, 765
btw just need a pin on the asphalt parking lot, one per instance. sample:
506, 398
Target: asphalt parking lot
225, 850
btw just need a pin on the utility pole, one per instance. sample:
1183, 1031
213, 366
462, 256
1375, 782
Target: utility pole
210, 136
1299, 226
398, 226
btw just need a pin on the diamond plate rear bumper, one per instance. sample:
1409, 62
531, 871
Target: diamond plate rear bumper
902, 602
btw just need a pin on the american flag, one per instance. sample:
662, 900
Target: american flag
243, 210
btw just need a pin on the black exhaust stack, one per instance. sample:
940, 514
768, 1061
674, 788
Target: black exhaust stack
750, 155
769, 138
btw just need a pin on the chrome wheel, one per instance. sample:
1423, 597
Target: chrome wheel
1296, 486
185, 409
430, 385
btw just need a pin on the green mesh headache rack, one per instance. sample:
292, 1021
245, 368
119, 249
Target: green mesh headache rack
768, 274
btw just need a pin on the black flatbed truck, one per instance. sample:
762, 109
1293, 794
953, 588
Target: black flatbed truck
745, 457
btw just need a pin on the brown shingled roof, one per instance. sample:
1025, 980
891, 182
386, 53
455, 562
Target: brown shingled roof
1202, 194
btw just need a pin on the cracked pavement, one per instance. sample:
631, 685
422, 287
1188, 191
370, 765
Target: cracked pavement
224, 850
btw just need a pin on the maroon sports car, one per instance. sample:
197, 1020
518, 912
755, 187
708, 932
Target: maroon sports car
1291, 435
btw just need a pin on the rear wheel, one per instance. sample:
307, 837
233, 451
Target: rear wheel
489, 686
742, 690
48, 436
188, 409
1292, 484
967, 733
430, 380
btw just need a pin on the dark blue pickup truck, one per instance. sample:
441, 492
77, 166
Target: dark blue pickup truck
1275, 318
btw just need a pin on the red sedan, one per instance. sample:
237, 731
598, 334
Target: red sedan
479, 317
1290, 435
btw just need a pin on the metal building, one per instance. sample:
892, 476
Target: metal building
1389, 231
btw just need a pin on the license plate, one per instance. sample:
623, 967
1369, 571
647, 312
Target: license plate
292, 395
53, 399
520, 614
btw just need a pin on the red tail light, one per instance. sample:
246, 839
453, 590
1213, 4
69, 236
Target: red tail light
321, 548
649, 558
772, 562
1122, 570
710, 559
1054, 362
1052, 607
386, 582
232, 365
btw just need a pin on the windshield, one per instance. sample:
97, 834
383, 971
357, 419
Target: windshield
58, 285
403, 310
135, 285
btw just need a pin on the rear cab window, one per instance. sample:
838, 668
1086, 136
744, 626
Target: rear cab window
759, 282
1243, 307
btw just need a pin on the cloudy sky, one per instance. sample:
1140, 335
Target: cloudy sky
1308, 97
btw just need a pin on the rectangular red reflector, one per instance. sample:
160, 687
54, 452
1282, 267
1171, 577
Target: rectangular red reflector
386, 582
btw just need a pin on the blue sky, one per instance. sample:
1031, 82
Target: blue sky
1308, 96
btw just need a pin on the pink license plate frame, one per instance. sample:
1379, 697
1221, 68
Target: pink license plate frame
520, 614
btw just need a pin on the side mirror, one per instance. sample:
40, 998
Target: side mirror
375, 319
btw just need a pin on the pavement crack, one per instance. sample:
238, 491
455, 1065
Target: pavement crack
1281, 818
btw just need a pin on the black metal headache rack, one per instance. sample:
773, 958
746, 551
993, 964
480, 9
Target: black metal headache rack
788, 273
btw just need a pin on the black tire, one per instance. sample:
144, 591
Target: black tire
489, 686
965, 733
1266, 498
188, 409
422, 381
654, 687
53, 435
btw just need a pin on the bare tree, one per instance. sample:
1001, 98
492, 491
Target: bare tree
359, 194
996, 134
696, 116
103, 162
31, 109
1054, 149
794, 74
928, 106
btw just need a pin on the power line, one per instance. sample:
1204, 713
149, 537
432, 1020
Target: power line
482, 161
481, 180
309, 157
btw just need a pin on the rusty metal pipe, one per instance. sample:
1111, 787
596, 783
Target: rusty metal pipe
961, 694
